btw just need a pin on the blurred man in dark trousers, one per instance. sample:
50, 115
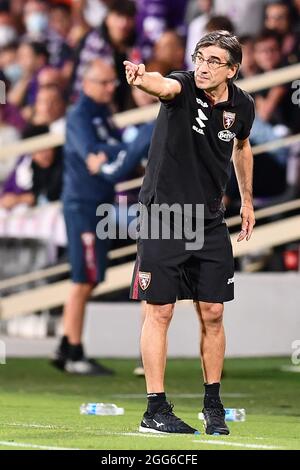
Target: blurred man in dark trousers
91, 140
89, 130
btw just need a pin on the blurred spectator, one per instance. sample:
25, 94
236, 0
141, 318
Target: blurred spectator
37, 178
268, 57
194, 9
156, 16
50, 108
246, 15
112, 41
8, 32
8, 134
60, 23
296, 5
278, 18
11, 115
94, 11
217, 23
50, 76
36, 19
141, 98
212, 23
197, 29
249, 66
16, 9
169, 51
88, 130
60, 19
32, 57
9, 64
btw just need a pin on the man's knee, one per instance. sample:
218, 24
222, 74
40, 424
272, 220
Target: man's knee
83, 289
160, 313
212, 313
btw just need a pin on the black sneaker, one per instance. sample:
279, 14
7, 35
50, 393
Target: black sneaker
60, 355
214, 421
86, 366
164, 421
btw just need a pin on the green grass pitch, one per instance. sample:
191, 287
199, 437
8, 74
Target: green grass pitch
40, 406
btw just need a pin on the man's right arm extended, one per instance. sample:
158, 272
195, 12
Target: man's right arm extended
151, 82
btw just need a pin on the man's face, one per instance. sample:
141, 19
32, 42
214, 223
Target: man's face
211, 67
267, 54
248, 55
27, 59
169, 49
205, 5
277, 18
100, 84
33, 7
48, 106
60, 21
119, 27
44, 158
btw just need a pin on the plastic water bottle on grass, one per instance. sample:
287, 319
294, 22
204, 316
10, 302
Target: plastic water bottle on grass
235, 414
100, 409
231, 414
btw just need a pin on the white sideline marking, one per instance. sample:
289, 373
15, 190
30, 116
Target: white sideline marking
62, 428
136, 434
290, 368
237, 444
180, 395
32, 425
97, 433
33, 446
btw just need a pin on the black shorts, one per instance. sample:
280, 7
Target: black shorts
165, 271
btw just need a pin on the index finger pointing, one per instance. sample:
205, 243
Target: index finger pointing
130, 65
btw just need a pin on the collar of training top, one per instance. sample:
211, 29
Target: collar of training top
223, 104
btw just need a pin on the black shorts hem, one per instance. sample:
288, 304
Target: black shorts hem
210, 300
173, 301
153, 301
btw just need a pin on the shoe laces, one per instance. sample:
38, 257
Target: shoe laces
218, 412
169, 410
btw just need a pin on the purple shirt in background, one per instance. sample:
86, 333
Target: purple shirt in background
156, 16
20, 180
94, 47
11, 115
33, 88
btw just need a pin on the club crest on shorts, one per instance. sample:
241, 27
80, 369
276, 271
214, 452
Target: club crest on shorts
144, 280
228, 119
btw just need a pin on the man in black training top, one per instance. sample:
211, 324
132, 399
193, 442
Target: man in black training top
204, 119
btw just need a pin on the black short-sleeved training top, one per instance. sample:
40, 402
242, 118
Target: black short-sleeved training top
191, 148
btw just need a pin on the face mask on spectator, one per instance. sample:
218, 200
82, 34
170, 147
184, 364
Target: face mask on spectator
8, 34
13, 72
36, 23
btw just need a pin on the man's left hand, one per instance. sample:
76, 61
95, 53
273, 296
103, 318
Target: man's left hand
248, 222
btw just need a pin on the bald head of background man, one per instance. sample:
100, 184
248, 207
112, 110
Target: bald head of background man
100, 81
